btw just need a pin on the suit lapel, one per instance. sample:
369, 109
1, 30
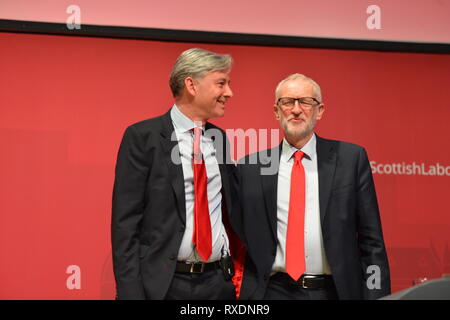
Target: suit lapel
326, 164
270, 187
220, 142
176, 176
226, 193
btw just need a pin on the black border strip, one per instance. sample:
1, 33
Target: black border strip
219, 37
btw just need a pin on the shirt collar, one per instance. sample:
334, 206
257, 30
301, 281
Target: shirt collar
181, 122
309, 149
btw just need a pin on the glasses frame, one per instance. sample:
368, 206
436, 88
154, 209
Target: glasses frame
299, 103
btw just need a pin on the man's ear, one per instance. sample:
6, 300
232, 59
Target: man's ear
321, 111
190, 85
275, 111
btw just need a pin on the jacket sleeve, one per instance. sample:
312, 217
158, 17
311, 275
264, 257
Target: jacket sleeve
370, 236
127, 211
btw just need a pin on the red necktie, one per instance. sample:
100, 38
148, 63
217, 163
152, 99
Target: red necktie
202, 224
295, 246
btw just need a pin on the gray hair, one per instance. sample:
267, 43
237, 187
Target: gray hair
196, 63
295, 76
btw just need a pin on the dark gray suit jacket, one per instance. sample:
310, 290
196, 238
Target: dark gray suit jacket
149, 209
349, 216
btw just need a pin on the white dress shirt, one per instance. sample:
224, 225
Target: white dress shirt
316, 261
185, 136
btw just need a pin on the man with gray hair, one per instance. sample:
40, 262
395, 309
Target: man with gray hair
174, 190
312, 229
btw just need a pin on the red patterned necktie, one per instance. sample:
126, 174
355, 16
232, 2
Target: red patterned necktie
295, 242
202, 224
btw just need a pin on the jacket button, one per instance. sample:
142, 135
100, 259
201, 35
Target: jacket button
181, 229
172, 257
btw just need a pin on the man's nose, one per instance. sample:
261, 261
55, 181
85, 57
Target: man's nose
297, 107
228, 92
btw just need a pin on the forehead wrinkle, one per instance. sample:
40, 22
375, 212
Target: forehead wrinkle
297, 88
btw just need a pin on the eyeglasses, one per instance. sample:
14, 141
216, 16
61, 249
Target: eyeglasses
304, 102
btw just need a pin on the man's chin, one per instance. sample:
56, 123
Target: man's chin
297, 133
220, 112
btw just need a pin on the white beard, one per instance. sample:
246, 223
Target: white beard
295, 133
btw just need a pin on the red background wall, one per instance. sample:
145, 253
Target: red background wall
65, 102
